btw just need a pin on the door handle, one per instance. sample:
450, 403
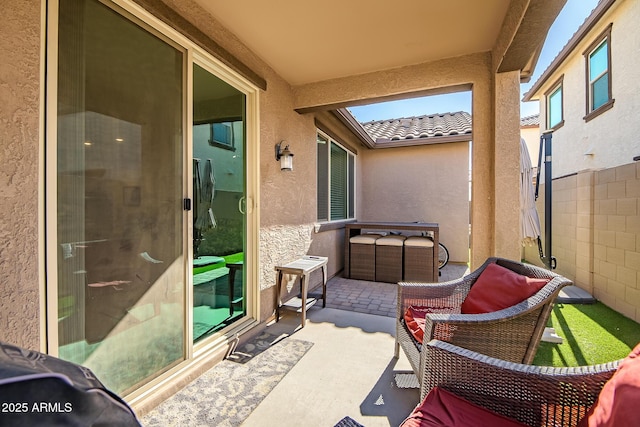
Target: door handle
242, 205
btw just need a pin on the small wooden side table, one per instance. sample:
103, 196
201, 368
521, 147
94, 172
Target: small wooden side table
302, 268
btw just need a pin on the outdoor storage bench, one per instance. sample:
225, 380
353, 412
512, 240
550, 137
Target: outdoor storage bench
389, 251
363, 257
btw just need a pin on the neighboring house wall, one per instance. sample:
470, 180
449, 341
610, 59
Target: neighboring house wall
610, 139
596, 234
595, 207
531, 135
427, 183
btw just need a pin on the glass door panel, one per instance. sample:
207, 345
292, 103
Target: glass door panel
219, 290
121, 295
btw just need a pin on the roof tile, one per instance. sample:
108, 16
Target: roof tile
426, 126
533, 120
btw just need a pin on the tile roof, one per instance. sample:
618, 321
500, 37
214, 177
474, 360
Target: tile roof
532, 120
419, 127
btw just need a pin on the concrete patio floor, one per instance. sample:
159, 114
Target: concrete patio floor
350, 370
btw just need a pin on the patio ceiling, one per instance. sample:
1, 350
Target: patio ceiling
312, 41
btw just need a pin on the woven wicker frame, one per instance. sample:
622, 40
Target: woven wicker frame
362, 265
533, 395
512, 334
418, 264
388, 263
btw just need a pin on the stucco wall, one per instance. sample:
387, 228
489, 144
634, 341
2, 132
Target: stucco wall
610, 139
427, 183
596, 234
19, 155
507, 165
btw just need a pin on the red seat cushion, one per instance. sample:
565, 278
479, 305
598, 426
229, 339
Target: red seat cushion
415, 316
443, 408
497, 288
619, 399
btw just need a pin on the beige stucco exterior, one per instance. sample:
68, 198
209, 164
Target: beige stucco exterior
469, 71
429, 183
21, 176
287, 200
610, 139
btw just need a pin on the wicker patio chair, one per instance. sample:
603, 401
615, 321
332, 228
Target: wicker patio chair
532, 395
512, 334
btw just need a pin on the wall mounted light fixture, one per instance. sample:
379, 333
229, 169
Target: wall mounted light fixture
284, 156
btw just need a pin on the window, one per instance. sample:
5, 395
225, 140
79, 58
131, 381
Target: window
335, 180
555, 116
598, 63
222, 135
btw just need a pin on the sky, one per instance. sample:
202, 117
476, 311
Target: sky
568, 21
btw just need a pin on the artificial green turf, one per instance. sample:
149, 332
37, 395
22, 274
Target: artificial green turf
234, 257
592, 334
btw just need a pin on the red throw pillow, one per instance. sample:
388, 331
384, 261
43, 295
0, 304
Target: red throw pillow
497, 288
415, 316
618, 401
444, 409
414, 319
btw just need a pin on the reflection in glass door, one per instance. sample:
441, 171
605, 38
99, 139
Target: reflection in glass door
120, 284
219, 238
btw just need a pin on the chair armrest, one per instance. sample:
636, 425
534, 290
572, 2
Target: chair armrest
534, 395
445, 294
505, 334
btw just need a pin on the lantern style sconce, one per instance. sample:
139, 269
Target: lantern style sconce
284, 156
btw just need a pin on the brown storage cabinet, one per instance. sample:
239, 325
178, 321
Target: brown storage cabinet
389, 258
362, 265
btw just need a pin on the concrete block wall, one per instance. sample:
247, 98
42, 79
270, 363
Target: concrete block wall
584, 230
616, 249
596, 234
565, 225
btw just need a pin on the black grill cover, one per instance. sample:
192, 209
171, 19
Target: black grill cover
40, 390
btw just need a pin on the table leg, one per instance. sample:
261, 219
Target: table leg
279, 276
324, 286
304, 282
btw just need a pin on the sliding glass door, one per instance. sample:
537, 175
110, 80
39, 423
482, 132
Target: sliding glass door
120, 110
219, 291
149, 202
